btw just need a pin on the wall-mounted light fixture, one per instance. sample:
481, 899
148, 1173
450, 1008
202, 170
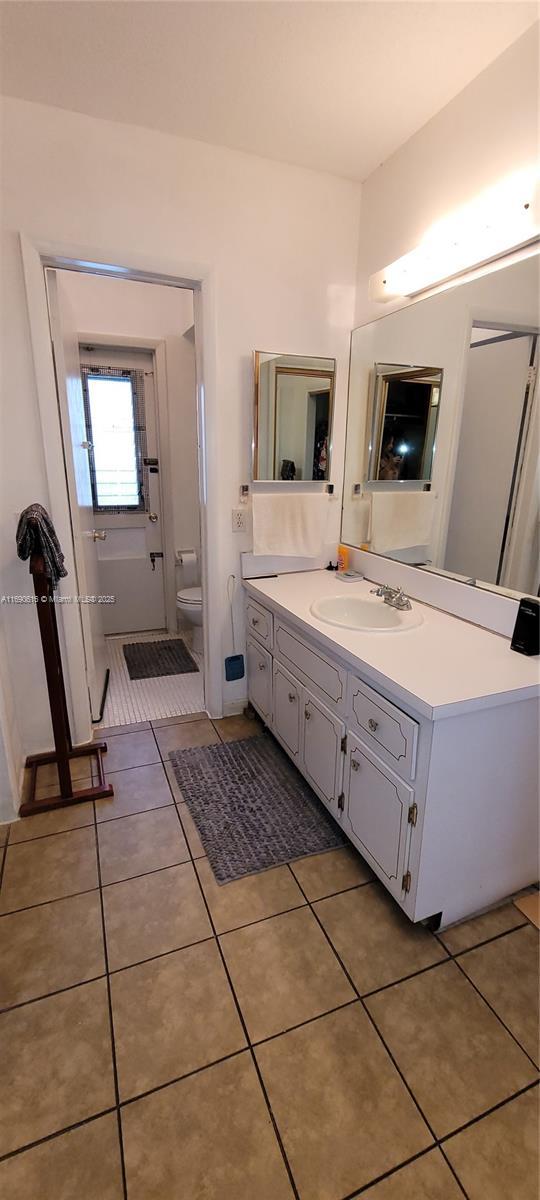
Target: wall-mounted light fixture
500, 220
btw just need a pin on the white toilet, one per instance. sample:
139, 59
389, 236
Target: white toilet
189, 612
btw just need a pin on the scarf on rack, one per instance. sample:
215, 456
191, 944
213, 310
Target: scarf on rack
36, 535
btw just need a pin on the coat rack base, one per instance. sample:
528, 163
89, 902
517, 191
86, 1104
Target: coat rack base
101, 790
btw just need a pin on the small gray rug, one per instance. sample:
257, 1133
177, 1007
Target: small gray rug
148, 660
252, 808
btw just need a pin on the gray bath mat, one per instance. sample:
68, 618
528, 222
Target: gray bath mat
252, 808
148, 660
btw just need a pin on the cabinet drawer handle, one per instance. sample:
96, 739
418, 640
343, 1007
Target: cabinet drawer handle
262, 666
373, 725
292, 697
355, 764
307, 714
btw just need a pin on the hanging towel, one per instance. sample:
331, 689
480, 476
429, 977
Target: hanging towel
36, 535
400, 520
289, 523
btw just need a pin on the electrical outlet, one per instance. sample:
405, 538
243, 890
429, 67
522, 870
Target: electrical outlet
239, 520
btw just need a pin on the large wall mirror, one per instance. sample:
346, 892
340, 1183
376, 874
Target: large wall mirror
294, 403
442, 467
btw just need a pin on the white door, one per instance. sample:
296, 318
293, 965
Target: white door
376, 814
259, 672
124, 461
71, 407
493, 402
287, 710
322, 755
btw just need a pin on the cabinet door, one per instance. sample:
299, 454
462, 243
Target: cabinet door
322, 754
259, 671
287, 710
376, 814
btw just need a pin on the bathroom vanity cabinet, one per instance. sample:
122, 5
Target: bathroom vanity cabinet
441, 800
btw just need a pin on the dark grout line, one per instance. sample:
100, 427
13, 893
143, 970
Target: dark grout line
3, 857
388, 1174
486, 941
404, 979
70, 987
41, 837
244, 1026
453, 1172
272, 1037
160, 1087
51, 1137
164, 954
51, 900
492, 1009
111, 1019
368, 1014
487, 1112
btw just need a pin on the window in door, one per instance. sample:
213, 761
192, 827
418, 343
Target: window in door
116, 430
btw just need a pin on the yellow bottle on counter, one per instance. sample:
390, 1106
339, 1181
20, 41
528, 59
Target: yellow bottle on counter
343, 558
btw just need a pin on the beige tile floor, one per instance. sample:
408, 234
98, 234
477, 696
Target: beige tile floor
289, 1035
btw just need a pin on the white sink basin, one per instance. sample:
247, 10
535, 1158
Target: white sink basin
365, 614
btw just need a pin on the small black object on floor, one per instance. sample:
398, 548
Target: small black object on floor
252, 808
148, 660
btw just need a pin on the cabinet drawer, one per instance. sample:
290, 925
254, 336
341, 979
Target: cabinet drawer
387, 729
259, 672
259, 623
319, 673
287, 724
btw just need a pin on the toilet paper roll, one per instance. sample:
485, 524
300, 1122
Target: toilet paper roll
188, 559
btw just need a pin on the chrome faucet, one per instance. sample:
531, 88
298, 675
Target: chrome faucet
395, 597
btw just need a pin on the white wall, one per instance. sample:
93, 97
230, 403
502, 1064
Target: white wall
487, 132
279, 245
126, 309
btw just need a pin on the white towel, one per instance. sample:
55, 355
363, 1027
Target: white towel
400, 519
290, 524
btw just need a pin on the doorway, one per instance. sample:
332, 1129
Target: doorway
128, 423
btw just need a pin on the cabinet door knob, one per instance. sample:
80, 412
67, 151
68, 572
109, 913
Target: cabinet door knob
254, 620
355, 764
262, 666
307, 714
292, 697
373, 725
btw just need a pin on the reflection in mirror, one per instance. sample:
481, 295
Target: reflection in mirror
405, 409
449, 482
294, 398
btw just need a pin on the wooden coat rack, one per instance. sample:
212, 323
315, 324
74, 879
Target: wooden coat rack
63, 752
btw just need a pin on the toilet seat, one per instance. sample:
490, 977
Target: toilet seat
190, 597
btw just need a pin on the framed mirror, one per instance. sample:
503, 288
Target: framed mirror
404, 414
294, 405
442, 463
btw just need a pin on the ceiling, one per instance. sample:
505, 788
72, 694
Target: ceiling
329, 85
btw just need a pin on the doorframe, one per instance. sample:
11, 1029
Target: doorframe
36, 255
158, 349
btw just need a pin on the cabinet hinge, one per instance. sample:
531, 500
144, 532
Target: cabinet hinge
344, 744
341, 801
406, 881
531, 377
413, 814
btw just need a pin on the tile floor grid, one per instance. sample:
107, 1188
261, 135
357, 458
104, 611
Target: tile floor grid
242, 1021
437, 1142
130, 700
250, 1045
111, 1022
455, 958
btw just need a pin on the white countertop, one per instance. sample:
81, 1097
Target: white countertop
441, 668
